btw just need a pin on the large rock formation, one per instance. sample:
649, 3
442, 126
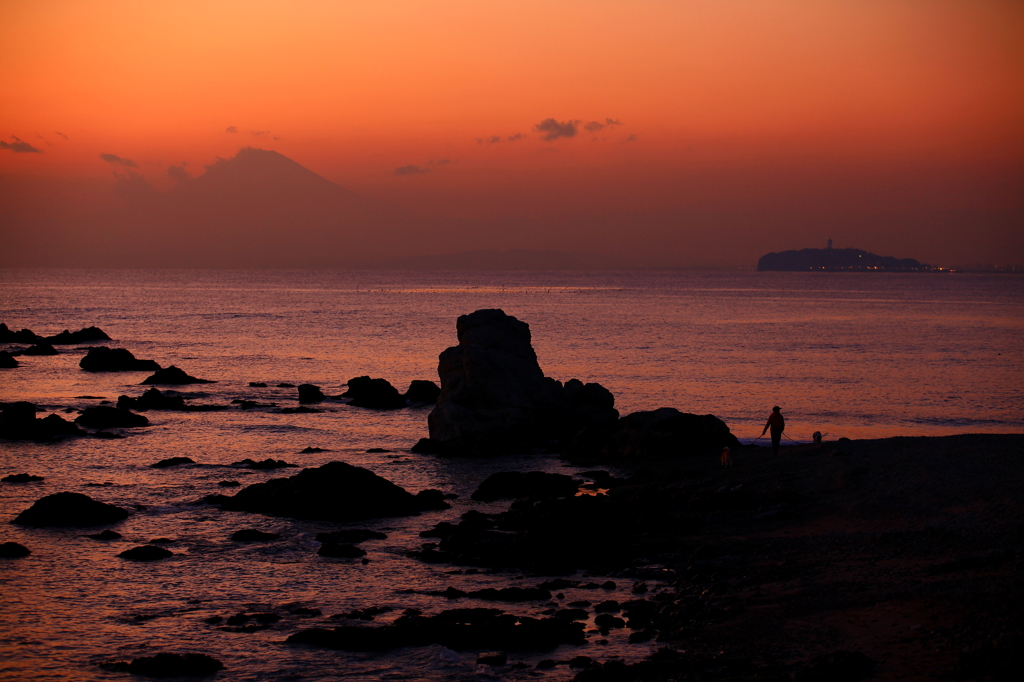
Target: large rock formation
335, 491
665, 433
495, 397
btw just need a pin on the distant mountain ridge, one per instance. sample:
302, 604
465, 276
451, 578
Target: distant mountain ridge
855, 260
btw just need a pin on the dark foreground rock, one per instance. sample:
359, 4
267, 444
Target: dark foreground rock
73, 510
174, 376
506, 485
13, 550
146, 553
337, 550
104, 417
459, 629
335, 491
376, 394
18, 422
104, 359
661, 434
167, 665
7, 361
495, 398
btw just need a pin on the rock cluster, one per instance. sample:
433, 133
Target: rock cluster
495, 397
105, 417
18, 422
66, 337
379, 394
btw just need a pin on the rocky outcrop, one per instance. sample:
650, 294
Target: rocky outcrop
7, 361
8, 335
422, 392
335, 491
495, 398
81, 336
104, 417
146, 553
71, 510
13, 550
506, 485
172, 462
174, 376
665, 433
103, 359
21, 478
309, 393
460, 629
376, 394
18, 422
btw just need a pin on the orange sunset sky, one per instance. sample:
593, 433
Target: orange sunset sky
701, 133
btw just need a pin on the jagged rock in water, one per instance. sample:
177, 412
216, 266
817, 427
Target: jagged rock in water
308, 393
376, 394
422, 392
174, 376
71, 510
153, 399
104, 417
172, 462
18, 422
8, 335
335, 491
81, 336
495, 398
665, 433
103, 359
7, 361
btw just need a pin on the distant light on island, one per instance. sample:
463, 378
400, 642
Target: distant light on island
832, 260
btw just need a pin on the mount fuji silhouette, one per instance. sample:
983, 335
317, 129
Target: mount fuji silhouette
257, 209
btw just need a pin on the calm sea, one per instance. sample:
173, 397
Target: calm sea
855, 355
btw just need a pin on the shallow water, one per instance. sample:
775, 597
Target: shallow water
853, 355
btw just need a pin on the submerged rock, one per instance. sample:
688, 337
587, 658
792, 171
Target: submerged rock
21, 478
146, 553
71, 510
105, 535
665, 433
171, 462
335, 491
13, 550
495, 398
174, 376
512, 484
103, 359
377, 394
103, 417
40, 349
167, 665
153, 399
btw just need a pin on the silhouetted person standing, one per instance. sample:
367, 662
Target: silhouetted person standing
777, 424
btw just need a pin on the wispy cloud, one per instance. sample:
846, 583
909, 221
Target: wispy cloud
231, 129
61, 134
116, 160
179, 173
553, 129
411, 170
132, 187
631, 138
517, 136
594, 126
612, 122
442, 162
19, 146
257, 133
493, 139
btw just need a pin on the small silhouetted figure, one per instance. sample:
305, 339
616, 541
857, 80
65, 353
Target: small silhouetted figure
726, 458
777, 424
